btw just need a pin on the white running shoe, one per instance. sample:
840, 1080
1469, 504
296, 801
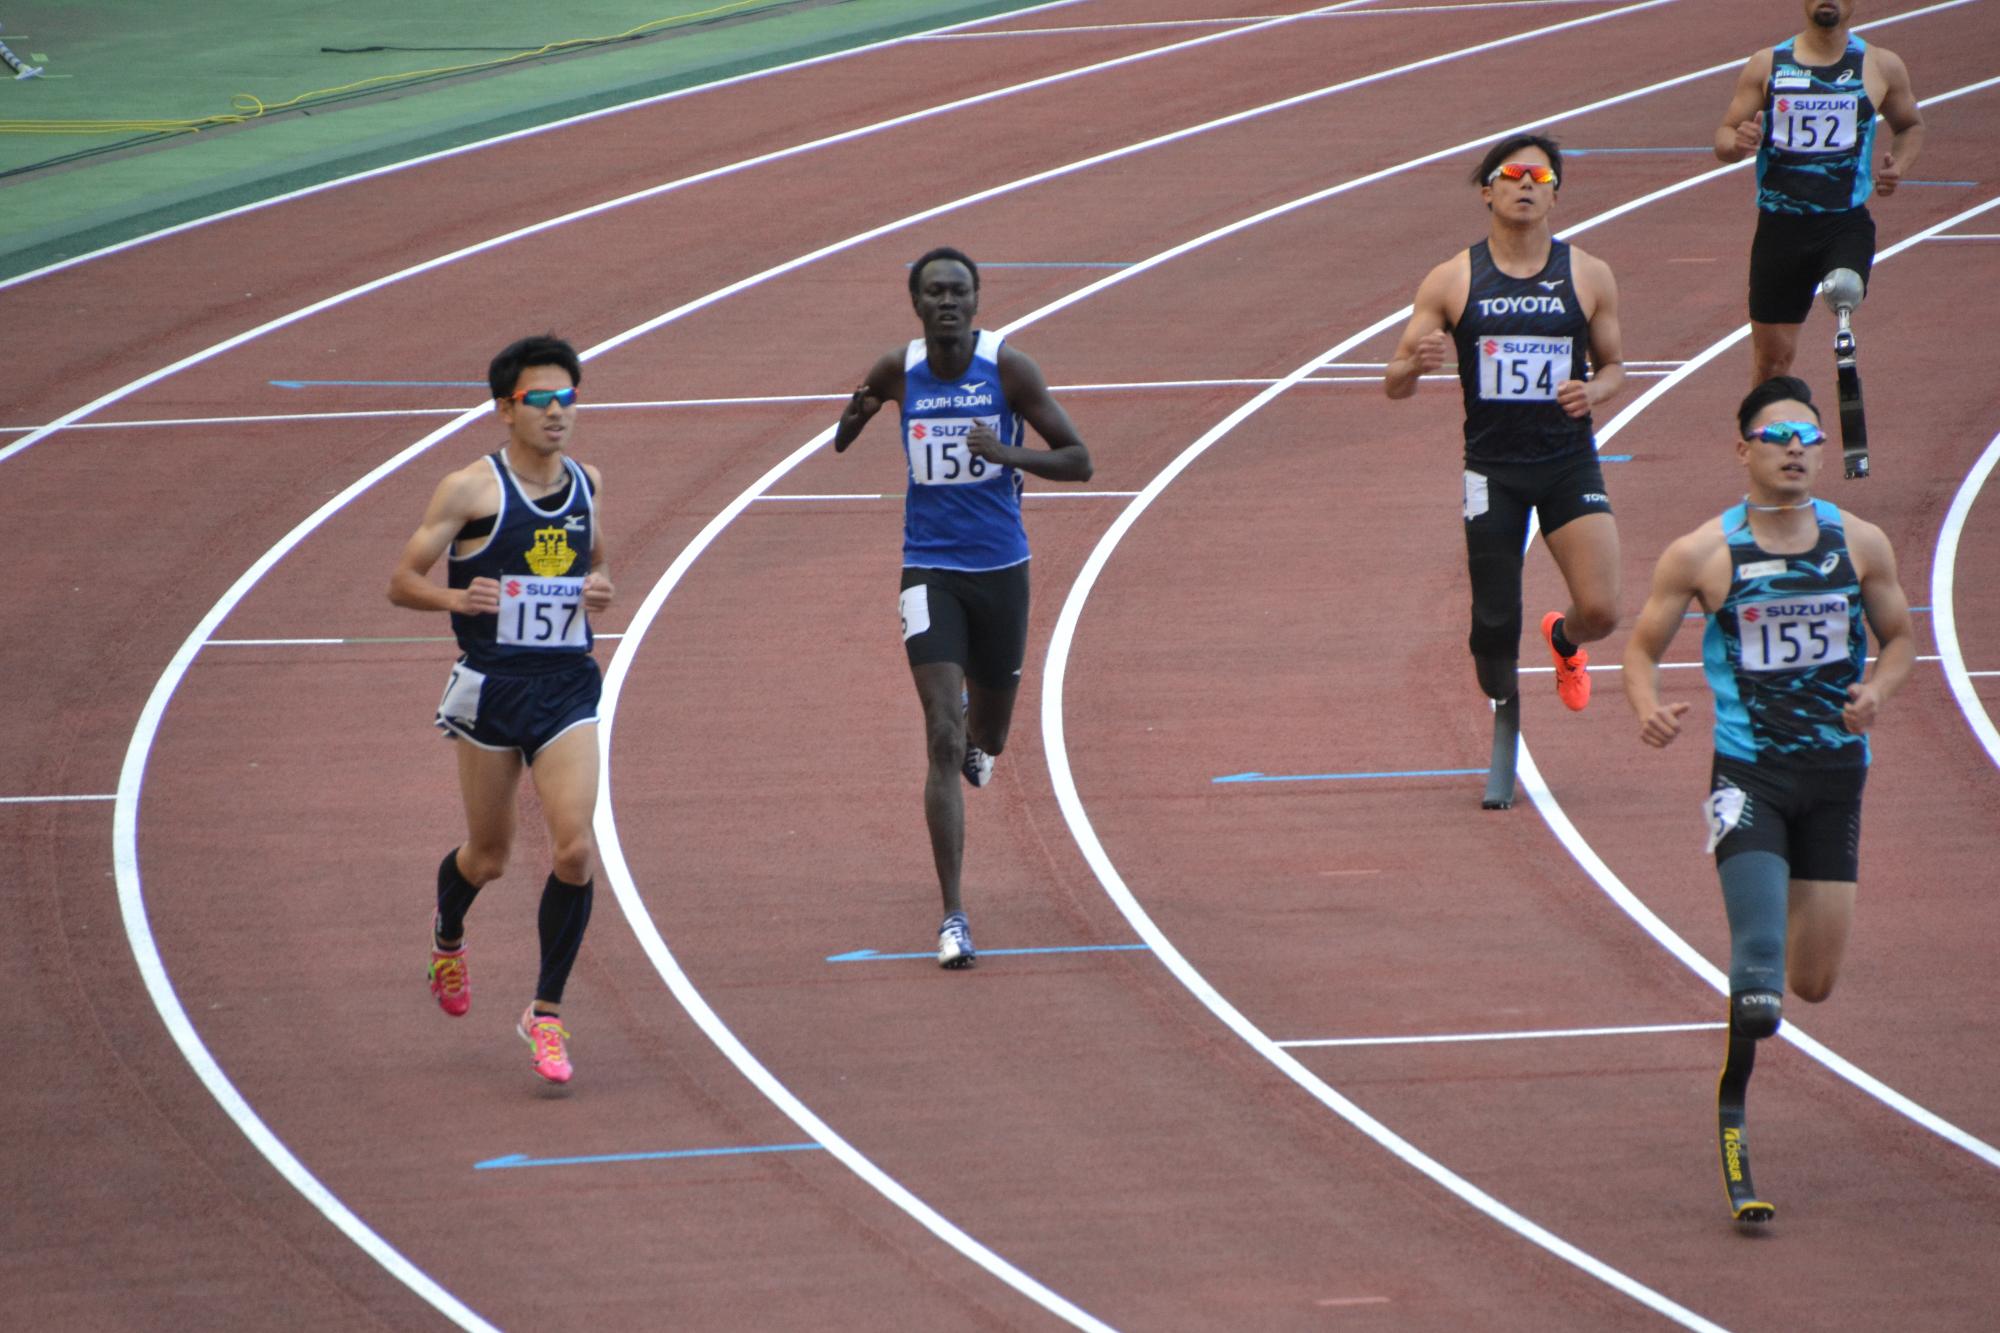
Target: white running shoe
955, 942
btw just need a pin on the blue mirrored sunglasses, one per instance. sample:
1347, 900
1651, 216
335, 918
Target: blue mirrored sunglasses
539, 399
1784, 432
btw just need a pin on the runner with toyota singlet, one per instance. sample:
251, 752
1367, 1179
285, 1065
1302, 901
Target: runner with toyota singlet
1807, 109
1535, 324
964, 395
1787, 582
526, 570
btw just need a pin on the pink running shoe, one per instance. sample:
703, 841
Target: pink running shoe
451, 984
546, 1034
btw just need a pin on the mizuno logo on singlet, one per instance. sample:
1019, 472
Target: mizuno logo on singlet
973, 387
1550, 284
1522, 305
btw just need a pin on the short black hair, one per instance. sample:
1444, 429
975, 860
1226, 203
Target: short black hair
1513, 144
1777, 389
543, 349
941, 252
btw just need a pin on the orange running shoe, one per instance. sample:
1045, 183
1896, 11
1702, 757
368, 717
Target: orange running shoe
1572, 673
451, 984
546, 1035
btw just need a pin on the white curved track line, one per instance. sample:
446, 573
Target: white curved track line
389, 168
1070, 802
125, 821
41, 433
145, 950
1944, 615
1055, 744
1594, 865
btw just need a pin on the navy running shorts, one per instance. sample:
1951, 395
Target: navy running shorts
525, 713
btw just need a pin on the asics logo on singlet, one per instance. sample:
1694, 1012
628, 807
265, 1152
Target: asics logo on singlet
1522, 305
953, 400
1832, 561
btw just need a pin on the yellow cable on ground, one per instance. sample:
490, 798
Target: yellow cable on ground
249, 107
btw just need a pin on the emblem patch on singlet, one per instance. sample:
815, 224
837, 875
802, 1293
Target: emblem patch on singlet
551, 555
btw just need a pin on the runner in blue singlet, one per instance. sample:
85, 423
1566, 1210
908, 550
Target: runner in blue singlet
1807, 109
965, 396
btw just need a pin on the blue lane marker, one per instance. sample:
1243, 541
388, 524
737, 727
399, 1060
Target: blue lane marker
1614, 458
1940, 182
870, 956
378, 384
522, 1159
1348, 777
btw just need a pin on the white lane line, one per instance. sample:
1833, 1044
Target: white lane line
1607, 880
763, 400
619, 876
1069, 30
714, 173
1944, 614
1057, 755
1540, 1034
54, 800
389, 168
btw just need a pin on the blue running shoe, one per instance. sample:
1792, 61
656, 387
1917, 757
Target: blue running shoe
955, 942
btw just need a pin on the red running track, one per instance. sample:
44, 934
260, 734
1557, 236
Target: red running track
1290, 604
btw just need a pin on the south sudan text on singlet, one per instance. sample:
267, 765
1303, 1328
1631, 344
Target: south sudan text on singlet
1784, 646
1817, 155
960, 511
1519, 338
539, 556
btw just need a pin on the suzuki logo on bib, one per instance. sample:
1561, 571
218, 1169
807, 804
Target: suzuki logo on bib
513, 587
917, 431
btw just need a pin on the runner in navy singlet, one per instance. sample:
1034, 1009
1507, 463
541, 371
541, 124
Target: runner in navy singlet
1791, 586
1807, 109
526, 571
1535, 324
965, 396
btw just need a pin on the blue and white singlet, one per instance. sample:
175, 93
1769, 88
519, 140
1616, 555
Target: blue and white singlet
1819, 134
1784, 646
540, 557
960, 511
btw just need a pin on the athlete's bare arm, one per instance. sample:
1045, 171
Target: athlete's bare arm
1597, 290
462, 496
597, 583
1906, 123
1021, 382
1426, 339
1742, 127
1888, 617
884, 384
1677, 580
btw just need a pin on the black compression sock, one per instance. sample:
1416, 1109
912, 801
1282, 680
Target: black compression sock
565, 911
1557, 640
455, 895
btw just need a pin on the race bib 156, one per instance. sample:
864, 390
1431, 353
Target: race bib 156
939, 455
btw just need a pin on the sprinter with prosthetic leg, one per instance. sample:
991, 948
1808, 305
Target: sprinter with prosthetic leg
1808, 108
1534, 324
1790, 586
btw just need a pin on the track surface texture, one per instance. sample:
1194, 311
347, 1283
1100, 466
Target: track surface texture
197, 625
